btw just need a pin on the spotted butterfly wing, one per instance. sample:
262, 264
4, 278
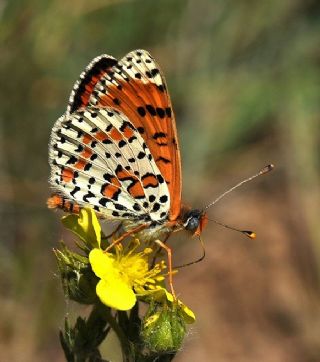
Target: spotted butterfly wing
136, 87
98, 157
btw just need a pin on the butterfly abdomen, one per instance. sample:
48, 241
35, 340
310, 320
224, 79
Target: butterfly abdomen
60, 202
153, 231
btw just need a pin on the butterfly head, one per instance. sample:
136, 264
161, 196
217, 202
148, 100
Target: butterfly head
195, 221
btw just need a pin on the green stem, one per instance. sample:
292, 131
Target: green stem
127, 354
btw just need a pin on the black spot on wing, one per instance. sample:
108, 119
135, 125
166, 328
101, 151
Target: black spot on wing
88, 196
73, 192
164, 198
159, 135
109, 127
161, 112
152, 73
161, 87
136, 207
141, 155
141, 111
80, 148
72, 160
119, 207
103, 201
160, 179
152, 198
151, 110
156, 207
87, 166
124, 125
108, 177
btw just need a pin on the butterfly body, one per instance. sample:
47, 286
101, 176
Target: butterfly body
116, 149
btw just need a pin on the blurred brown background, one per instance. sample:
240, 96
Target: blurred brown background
244, 78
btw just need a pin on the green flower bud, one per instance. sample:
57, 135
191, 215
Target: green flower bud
163, 328
78, 280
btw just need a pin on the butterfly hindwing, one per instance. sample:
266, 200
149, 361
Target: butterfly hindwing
99, 159
136, 87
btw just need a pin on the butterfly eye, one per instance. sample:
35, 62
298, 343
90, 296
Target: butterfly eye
192, 223
192, 220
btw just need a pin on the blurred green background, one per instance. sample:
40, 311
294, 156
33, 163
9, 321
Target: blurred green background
244, 78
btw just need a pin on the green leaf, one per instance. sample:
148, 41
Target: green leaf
80, 343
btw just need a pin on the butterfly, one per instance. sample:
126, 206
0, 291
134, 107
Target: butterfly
116, 149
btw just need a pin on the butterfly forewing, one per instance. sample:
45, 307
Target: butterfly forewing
98, 158
136, 87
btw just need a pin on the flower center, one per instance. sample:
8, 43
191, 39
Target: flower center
132, 268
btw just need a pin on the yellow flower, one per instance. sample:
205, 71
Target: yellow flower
124, 275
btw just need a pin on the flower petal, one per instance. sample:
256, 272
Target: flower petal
116, 294
101, 263
187, 313
85, 225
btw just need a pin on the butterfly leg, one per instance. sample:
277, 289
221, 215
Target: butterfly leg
125, 235
159, 249
169, 253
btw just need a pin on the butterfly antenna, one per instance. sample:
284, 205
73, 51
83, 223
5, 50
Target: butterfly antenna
195, 261
265, 170
250, 234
